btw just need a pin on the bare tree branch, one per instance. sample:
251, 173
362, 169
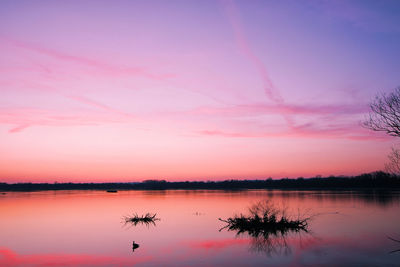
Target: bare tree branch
393, 166
385, 114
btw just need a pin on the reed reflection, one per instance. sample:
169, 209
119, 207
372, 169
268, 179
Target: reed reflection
134, 220
147, 219
268, 227
397, 241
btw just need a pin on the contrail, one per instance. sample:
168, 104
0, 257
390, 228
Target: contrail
233, 14
270, 90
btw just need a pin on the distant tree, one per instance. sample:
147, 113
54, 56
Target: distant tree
384, 116
393, 166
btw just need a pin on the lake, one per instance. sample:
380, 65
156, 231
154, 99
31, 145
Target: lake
86, 228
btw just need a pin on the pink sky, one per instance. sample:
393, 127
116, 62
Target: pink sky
190, 90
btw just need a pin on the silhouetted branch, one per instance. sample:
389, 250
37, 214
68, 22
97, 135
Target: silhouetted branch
393, 166
395, 240
385, 113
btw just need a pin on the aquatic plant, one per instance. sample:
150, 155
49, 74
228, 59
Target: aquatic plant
267, 226
265, 220
146, 219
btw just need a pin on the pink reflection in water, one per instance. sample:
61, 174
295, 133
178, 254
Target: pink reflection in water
218, 244
85, 228
9, 258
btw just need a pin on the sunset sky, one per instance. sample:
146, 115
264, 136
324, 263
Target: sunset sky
193, 90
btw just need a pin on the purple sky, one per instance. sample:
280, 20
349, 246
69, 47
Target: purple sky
132, 90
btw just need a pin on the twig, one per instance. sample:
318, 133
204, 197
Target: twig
395, 240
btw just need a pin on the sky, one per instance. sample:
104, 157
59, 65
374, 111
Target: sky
94, 91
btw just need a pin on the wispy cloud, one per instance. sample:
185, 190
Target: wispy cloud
319, 121
288, 109
22, 118
96, 104
101, 66
19, 128
350, 132
278, 106
270, 90
233, 15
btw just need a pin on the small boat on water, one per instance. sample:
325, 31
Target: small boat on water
112, 191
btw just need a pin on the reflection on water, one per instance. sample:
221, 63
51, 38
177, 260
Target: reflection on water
83, 228
135, 219
11, 258
268, 227
376, 197
271, 245
395, 240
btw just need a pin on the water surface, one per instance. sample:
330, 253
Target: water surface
85, 228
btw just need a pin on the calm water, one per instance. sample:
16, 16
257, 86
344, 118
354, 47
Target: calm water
84, 228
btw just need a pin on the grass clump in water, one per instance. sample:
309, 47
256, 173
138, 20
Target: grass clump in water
146, 219
265, 220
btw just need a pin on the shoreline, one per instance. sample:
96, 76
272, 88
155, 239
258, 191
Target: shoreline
371, 181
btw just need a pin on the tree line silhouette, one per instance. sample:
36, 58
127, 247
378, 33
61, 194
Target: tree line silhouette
374, 180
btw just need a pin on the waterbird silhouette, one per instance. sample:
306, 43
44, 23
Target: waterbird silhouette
134, 246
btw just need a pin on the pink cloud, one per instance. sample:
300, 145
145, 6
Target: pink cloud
103, 67
350, 132
19, 128
23, 118
287, 109
346, 131
99, 105
319, 121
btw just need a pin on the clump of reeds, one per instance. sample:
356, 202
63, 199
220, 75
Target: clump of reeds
146, 219
265, 220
